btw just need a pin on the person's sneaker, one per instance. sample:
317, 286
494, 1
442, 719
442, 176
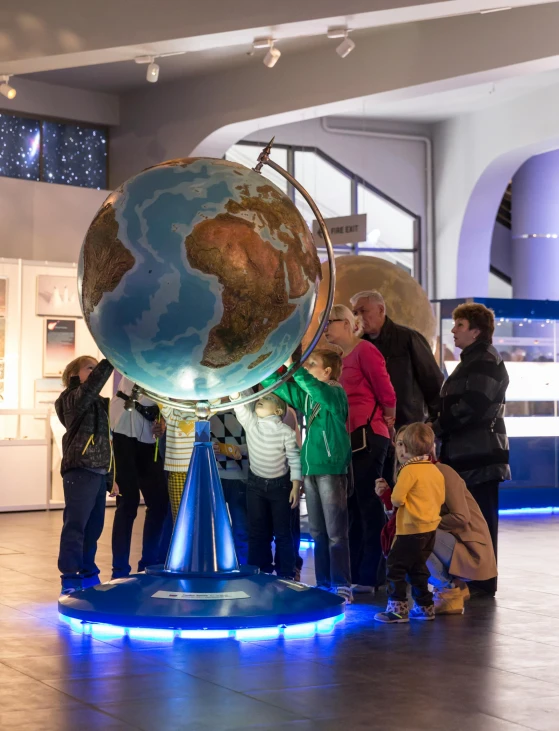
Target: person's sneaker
426, 614
463, 587
345, 592
449, 601
396, 613
362, 589
67, 590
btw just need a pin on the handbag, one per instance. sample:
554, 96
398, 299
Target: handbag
358, 436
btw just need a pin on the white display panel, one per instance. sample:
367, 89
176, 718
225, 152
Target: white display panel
528, 381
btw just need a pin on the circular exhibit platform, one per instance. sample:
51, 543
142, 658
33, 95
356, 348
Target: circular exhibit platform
227, 602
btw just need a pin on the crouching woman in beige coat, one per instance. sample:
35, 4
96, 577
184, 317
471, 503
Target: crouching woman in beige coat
463, 549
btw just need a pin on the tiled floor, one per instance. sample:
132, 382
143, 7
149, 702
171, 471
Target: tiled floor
494, 669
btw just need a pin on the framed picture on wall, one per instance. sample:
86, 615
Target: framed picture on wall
57, 296
60, 346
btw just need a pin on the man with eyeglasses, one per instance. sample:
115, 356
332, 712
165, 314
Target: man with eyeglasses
411, 365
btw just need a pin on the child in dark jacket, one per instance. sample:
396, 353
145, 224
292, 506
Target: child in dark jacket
87, 461
325, 458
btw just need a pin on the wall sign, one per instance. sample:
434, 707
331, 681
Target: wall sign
343, 230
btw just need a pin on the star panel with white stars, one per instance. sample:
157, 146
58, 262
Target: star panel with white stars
53, 152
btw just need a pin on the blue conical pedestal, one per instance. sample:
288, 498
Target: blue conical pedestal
201, 588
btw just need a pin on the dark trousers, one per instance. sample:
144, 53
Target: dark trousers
407, 560
136, 472
486, 494
84, 516
366, 513
235, 492
269, 514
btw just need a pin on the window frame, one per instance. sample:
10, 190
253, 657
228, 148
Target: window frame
356, 180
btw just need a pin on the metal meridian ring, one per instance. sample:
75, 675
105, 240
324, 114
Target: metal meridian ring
191, 406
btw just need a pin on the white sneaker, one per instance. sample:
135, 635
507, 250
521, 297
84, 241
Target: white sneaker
362, 589
346, 593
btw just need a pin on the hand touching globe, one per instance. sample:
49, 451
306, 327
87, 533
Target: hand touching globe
198, 277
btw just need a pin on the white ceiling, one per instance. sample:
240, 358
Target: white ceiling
434, 107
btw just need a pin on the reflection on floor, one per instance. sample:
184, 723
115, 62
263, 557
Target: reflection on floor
494, 669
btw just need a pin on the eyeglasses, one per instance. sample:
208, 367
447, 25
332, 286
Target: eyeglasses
331, 321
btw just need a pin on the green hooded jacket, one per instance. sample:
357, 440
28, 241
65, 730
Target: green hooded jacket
326, 449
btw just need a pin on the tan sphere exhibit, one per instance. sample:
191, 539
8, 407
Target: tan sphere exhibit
406, 301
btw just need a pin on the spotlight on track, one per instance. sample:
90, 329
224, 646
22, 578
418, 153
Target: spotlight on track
272, 57
347, 45
8, 91
152, 72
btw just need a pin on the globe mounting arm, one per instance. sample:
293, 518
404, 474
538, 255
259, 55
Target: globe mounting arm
202, 409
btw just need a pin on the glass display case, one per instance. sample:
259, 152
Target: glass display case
526, 336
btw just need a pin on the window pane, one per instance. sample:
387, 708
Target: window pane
247, 155
387, 226
328, 187
74, 155
20, 140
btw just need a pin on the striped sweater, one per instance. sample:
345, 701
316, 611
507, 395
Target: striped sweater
179, 439
272, 445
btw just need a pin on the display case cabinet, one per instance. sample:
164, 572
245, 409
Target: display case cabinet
526, 336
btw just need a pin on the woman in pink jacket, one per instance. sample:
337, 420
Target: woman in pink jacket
372, 409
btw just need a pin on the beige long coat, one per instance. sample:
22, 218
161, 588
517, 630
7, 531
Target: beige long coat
473, 557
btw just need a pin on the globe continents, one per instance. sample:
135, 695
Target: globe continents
407, 302
198, 278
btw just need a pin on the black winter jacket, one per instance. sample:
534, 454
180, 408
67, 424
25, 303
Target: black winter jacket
87, 441
471, 422
413, 370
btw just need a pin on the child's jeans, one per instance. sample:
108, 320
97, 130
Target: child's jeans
269, 514
408, 558
440, 559
328, 525
84, 516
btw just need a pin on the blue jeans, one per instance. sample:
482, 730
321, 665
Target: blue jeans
440, 559
328, 525
269, 515
84, 516
235, 492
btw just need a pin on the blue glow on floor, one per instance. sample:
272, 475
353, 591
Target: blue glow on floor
530, 511
289, 632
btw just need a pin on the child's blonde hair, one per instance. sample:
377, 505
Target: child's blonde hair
419, 439
74, 367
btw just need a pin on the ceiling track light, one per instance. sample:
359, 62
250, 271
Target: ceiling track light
272, 57
5, 89
347, 45
152, 73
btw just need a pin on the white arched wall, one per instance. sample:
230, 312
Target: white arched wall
476, 155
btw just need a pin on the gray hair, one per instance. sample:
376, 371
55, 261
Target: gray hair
369, 294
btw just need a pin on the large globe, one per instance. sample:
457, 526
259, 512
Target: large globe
407, 302
198, 278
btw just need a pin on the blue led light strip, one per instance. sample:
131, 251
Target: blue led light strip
530, 511
289, 632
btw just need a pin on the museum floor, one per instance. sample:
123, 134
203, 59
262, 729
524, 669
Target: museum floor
494, 669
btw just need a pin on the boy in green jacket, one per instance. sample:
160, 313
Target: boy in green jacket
325, 458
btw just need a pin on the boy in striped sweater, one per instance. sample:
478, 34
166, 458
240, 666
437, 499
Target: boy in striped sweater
274, 483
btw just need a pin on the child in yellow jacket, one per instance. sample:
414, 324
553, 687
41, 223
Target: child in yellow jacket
418, 494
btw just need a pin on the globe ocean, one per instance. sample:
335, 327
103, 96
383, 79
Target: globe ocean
198, 278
